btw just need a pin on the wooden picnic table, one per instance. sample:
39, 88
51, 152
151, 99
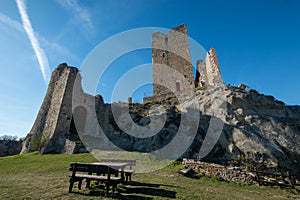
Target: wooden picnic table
128, 171
98, 171
120, 166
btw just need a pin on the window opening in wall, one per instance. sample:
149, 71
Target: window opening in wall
78, 120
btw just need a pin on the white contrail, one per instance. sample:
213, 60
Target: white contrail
57, 48
10, 22
39, 52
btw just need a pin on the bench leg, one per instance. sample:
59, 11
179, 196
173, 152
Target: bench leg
107, 189
71, 185
128, 176
79, 184
87, 184
115, 187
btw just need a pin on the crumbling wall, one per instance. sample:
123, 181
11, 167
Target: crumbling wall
171, 50
51, 127
42, 127
201, 74
214, 77
208, 71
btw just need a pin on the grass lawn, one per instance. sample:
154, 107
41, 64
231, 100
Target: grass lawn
34, 176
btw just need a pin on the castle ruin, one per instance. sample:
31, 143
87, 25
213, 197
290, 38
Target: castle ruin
172, 50
54, 129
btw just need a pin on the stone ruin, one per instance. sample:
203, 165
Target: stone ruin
239, 174
172, 50
54, 130
253, 123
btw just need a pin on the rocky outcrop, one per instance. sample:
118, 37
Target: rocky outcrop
256, 123
253, 124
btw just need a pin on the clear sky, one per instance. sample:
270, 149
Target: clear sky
257, 44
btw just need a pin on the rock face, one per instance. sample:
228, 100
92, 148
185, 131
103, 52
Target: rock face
260, 123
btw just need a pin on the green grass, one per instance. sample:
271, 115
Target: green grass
35, 176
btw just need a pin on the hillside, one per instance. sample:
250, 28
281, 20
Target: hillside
35, 176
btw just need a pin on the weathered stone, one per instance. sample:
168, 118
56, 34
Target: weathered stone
171, 51
242, 86
213, 70
188, 172
201, 74
253, 122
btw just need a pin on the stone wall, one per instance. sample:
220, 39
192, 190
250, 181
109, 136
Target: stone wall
201, 74
171, 50
230, 174
50, 131
208, 71
212, 67
172, 67
253, 123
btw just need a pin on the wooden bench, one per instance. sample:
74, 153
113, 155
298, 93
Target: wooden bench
128, 171
101, 173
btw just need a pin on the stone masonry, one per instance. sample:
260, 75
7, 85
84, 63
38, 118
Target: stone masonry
171, 59
51, 132
208, 72
69, 117
213, 69
54, 129
171, 50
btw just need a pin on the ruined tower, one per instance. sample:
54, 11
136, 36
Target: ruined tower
208, 71
52, 130
172, 50
213, 69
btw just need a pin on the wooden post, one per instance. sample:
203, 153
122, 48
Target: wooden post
72, 178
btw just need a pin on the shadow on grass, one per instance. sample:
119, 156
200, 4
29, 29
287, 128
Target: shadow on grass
133, 190
148, 189
134, 183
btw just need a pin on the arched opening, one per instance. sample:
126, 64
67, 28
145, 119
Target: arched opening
78, 120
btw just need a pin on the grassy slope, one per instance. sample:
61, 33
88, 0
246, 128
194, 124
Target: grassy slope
34, 176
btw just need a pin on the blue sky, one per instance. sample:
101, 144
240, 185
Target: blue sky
257, 44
